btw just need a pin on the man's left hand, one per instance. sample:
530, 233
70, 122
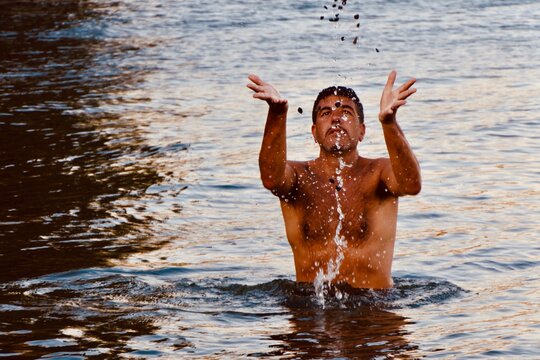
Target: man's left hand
392, 99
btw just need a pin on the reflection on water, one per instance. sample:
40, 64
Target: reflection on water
338, 333
67, 172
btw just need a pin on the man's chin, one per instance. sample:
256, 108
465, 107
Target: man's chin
338, 148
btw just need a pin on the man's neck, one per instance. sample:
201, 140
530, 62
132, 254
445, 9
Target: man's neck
331, 161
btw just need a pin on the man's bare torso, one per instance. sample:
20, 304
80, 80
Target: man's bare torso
368, 226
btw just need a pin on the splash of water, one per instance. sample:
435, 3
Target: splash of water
323, 280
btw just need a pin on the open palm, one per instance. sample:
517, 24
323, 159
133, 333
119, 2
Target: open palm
392, 99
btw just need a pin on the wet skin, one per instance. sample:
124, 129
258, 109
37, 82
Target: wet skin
310, 192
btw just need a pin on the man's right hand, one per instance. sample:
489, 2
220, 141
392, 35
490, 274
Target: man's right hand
268, 93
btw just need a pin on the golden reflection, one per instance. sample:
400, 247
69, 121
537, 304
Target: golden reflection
364, 333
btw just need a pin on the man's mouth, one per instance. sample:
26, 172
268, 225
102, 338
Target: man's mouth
335, 129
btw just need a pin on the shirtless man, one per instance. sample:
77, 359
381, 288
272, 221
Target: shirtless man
340, 209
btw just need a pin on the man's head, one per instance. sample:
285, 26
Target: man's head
338, 91
338, 120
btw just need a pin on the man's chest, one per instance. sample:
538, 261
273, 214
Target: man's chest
325, 204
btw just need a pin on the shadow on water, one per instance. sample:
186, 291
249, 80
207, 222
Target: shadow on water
64, 163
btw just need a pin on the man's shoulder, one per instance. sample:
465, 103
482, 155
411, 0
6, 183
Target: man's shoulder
373, 163
298, 165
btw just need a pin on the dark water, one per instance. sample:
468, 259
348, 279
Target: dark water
132, 220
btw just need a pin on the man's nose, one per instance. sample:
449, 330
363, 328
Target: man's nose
336, 117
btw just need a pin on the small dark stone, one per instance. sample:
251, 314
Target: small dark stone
343, 38
357, 16
355, 40
334, 5
358, 25
300, 110
338, 104
340, 7
326, 7
336, 19
338, 188
331, 181
377, 50
344, 2
322, 17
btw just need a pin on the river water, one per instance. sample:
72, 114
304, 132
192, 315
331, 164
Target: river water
133, 223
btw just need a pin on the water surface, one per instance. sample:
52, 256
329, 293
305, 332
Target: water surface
133, 222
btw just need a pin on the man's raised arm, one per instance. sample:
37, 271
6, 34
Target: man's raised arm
402, 174
276, 174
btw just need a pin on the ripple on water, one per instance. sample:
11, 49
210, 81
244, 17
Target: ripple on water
408, 292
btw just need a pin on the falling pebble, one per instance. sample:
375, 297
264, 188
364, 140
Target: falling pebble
357, 16
326, 7
334, 5
377, 50
300, 110
358, 25
355, 40
322, 17
340, 7
343, 38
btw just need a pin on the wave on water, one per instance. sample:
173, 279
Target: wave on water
408, 292
115, 310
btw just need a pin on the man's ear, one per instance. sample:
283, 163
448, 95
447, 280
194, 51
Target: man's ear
362, 132
313, 133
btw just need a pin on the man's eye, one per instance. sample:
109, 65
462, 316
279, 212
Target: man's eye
325, 113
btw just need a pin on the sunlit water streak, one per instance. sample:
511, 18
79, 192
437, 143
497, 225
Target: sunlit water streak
132, 218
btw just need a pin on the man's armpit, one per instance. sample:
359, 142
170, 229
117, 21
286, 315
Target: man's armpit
289, 185
388, 183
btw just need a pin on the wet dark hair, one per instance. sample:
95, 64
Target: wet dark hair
339, 91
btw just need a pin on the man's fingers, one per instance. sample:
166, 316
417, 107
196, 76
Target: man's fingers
257, 80
254, 87
398, 104
391, 79
405, 94
407, 85
262, 96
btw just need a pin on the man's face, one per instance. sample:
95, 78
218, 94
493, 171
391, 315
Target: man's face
337, 127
